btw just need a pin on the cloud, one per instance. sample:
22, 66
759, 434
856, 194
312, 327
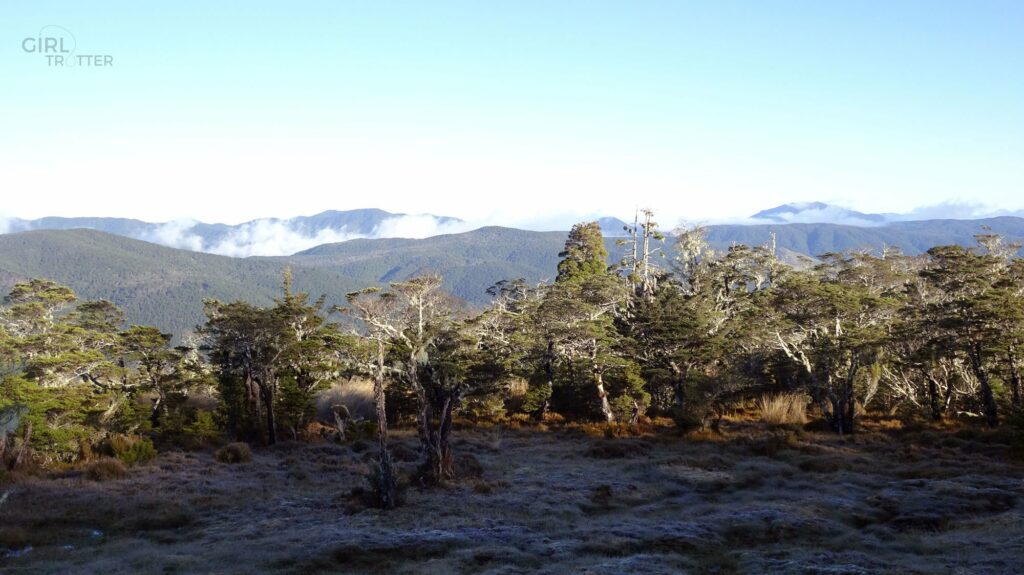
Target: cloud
419, 226
813, 214
176, 235
273, 238
270, 237
956, 211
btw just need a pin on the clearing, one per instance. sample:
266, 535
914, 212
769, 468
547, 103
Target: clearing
558, 500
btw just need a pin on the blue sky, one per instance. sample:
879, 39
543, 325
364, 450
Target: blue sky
515, 112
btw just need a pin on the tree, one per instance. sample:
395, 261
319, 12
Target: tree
831, 329
576, 319
378, 313
966, 319
641, 271
426, 314
256, 350
584, 254
410, 317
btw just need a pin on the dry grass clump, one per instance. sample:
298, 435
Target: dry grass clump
355, 394
783, 409
234, 453
107, 469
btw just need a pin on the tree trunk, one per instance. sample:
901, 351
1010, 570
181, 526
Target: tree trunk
635, 418
988, 400
933, 398
1015, 384
850, 415
267, 391
387, 484
24, 447
440, 464
678, 385
549, 374
606, 408
947, 403
154, 416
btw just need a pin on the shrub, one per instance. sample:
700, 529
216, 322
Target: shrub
687, 418
106, 469
189, 428
490, 406
783, 409
203, 429
132, 450
234, 453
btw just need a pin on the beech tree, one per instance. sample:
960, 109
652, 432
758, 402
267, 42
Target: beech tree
379, 315
257, 350
967, 317
577, 320
832, 330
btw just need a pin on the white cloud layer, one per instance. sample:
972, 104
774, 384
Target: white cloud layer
280, 238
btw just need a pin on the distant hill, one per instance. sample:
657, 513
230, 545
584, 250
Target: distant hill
165, 286
612, 227
154, 284
910, 237
819, 212
265, 236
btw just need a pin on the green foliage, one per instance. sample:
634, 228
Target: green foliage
61, 418
538, 394
80, 377
584, 254
295, 406
132, 450
270, 362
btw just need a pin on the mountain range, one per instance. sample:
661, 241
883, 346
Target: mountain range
260, 237
165, 286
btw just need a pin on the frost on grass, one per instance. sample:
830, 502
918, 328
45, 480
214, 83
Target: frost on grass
540, 502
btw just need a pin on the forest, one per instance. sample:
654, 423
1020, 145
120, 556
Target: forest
676, 355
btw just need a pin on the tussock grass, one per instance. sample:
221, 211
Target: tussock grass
107, 469
355, 394
783, 409
234, 453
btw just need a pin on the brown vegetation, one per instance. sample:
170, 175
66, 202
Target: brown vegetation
234, 453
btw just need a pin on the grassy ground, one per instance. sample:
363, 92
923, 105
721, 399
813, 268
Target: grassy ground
562, 500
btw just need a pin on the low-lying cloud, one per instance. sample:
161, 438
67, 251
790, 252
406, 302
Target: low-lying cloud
956, 211
176, 235
281, 237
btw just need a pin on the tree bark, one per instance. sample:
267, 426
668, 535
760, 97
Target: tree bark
988, 400
24, 447
1015, 384
606, 408
933, 398
267, 392
388, 484
549, 374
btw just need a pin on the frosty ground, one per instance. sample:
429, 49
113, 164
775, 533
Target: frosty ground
569, 499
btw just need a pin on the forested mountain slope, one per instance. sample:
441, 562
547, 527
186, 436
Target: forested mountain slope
166, 287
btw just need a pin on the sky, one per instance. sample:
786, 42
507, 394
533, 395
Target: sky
529, 113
